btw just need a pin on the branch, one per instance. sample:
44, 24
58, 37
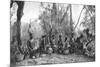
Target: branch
78, 19
64, 15
89, 42
90, 14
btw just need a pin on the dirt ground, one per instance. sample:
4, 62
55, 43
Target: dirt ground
55, 59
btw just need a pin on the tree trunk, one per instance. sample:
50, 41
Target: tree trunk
78, 19
70, 16
71, 22
19, 15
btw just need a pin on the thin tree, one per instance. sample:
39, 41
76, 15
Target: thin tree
79, 18
18, 24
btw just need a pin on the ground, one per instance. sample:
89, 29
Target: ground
56, 59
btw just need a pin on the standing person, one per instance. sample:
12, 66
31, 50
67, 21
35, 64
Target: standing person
60, 45
66, 46
29, 46
42, 45
54, 45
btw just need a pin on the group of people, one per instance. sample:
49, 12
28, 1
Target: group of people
47, 44
50, 43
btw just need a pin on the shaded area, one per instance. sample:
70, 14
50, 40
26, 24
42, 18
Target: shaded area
56, 59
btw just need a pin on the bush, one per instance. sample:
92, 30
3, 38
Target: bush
90, 50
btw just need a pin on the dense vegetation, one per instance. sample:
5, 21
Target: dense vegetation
57, 33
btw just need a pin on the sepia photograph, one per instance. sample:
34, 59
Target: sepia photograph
45, 33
